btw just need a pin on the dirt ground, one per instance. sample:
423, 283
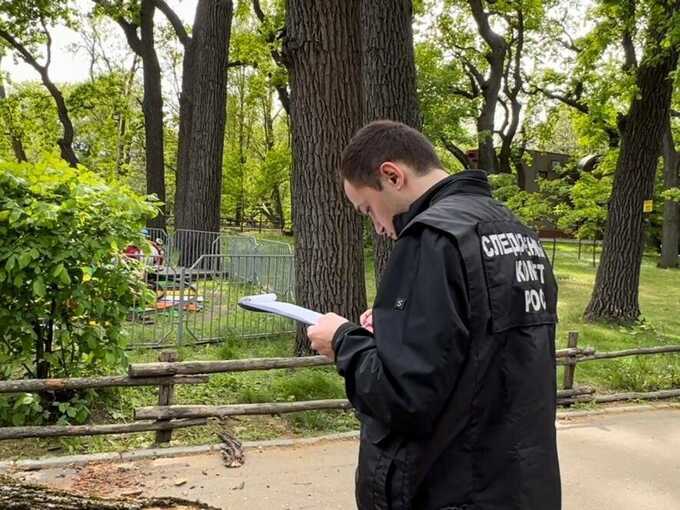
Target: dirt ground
623, 461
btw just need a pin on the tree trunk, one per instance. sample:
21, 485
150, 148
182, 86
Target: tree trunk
615, 296
153, 113
671, 208
183, 174
512, 90
202, 119
322, 46
66, 141
16, 495
277, 217
389, 78
495, 56
152, 103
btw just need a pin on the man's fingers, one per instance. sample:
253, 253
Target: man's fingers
366, 318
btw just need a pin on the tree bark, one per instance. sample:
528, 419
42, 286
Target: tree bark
671, 209
202, 119
389, 79
152, 105
615, 296
16, 495
322, 46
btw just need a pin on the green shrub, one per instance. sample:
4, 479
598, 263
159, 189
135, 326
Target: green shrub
65, 287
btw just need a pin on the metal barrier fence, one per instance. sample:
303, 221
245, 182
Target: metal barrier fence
198, 304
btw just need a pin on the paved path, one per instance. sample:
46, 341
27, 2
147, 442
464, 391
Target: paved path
627, 461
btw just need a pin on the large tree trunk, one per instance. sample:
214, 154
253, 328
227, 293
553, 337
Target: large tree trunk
671, 209
153, 113
389, 78
325, 76
16, 495
202, 120
615, 296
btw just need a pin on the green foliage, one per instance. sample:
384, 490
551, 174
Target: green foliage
99, 108
444, 114
34, 120
65, 287
671, 194
539, 209
585, 214
257, 156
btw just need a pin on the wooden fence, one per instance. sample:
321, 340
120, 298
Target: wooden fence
169, 372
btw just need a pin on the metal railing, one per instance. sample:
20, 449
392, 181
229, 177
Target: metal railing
198, 304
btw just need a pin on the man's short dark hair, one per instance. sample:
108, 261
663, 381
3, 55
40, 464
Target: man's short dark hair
385, 140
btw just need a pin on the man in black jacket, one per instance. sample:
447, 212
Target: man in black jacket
453, 371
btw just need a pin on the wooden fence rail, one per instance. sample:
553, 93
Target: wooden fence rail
83, 383
169, 372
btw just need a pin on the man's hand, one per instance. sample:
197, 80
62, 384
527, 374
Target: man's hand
321, 334
366, 320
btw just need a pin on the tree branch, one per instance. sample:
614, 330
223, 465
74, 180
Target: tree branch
456, 152
258, 11
463, 93
174, 21
279, 59
473, 73
48, 43
567, 99
629, 51
630, 62
506, 118
571, 44
21, 49
241, 63
129, 29
482, 19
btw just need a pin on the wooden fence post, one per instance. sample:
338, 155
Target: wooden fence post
570, 368
166, 396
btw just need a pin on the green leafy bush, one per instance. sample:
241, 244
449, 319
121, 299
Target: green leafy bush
65, 287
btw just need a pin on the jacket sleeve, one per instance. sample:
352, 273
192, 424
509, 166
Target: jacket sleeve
403, 374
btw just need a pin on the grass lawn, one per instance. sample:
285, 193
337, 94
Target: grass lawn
660, 303
659, 325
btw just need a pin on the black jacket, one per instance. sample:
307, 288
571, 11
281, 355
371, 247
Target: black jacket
456, 387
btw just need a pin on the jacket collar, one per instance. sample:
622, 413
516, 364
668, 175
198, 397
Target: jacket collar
468, 181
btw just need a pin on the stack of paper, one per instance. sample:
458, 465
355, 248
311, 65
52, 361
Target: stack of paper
268, 303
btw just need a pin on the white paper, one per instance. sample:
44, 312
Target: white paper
268, 303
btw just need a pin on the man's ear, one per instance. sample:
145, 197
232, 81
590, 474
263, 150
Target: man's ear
393, 173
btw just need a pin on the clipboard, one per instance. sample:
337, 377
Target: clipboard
269, 303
